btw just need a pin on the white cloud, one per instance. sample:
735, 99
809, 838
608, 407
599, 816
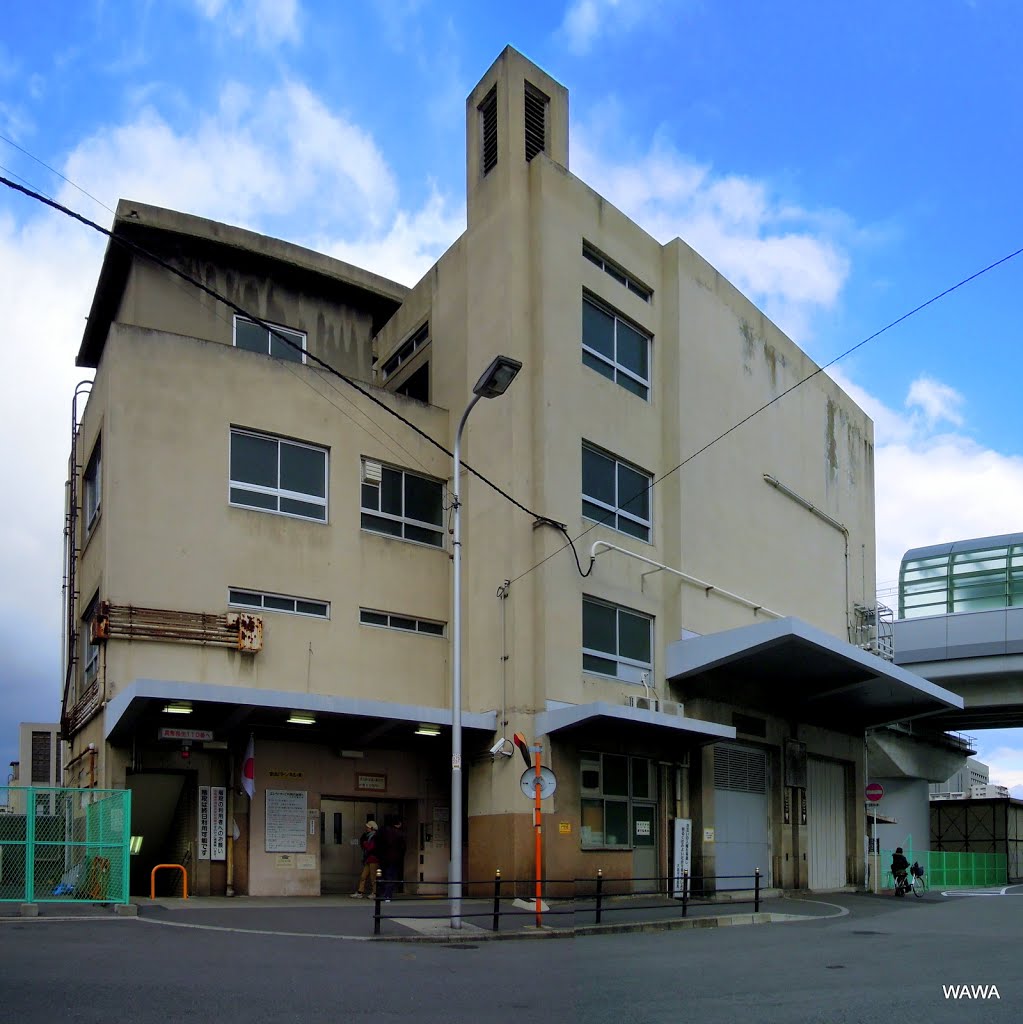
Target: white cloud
268, 22
770, 249
585, 20
282, 163
937, 401
933, 486
1006, 764
254, 157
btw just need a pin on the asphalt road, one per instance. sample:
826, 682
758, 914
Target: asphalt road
887, 960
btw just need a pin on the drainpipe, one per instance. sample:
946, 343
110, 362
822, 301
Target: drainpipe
832, 522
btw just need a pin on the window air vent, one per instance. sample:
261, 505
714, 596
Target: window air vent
371, 472
740, 769
488, 131
536, 122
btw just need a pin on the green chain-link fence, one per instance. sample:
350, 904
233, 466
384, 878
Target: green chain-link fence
65, 845
945, 870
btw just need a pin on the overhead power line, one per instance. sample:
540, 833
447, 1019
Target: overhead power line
767, 405
241, 311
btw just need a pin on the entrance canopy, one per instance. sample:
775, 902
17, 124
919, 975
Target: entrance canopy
140, 709
789, 668
629, 721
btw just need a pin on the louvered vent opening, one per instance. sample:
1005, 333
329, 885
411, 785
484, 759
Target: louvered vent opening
536, 122
740, 770
488, 131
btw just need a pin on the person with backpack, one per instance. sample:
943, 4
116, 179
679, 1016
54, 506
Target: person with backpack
370, 861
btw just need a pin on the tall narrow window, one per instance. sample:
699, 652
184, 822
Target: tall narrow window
536, 105
92, 486
488, 132
89, 647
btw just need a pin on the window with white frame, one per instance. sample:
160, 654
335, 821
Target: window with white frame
402, 504
254, 338
615, 348
278, 603
92, 486
389, 620
612, 269
275, 475
615, 493
608, 786
89, 647
617, 641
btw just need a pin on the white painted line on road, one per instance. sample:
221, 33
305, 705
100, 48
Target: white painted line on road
841, 911
253, 931
437, 926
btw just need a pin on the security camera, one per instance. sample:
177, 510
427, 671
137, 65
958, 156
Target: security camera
499, 748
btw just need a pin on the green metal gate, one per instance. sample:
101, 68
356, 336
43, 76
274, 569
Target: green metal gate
65, 845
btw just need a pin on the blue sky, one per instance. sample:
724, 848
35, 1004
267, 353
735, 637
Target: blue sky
839, 165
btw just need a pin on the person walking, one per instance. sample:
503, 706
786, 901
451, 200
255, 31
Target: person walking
370, 861
391, 850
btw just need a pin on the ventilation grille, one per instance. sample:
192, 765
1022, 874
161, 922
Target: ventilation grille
740, 770
488, 131
536, 122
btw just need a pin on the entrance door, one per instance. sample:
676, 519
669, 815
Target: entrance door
644, 847
825, 818
341, 824
740, 817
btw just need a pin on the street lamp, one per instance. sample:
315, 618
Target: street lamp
494, 382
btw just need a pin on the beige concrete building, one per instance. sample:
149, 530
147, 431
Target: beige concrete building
258, 549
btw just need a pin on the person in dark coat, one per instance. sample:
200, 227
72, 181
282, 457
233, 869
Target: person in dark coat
899, 866
391, 851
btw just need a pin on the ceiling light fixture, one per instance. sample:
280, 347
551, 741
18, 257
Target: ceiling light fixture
425, 729
180, 707
301, 718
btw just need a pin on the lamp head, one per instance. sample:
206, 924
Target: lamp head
496, 377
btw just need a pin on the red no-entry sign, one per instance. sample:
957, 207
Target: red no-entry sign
874, 792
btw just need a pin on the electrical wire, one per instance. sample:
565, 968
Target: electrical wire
159, 261
756, 412
53, 170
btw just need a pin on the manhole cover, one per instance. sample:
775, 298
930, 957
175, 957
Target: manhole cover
459, 945
835, 967
871, 933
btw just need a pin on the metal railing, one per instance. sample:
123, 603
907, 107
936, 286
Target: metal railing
577, 904
65, 845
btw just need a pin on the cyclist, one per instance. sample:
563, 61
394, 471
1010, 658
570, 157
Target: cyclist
899, 867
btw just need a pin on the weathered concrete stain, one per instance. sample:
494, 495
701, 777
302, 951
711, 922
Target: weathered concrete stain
831, 439
749, 346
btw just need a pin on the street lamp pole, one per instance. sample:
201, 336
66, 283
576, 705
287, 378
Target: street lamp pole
494, 382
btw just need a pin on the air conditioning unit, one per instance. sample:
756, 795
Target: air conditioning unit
372, 472
672, 707
642, 703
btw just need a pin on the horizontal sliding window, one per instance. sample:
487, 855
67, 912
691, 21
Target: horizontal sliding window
612, 269
615, 493
407, 350
389, 620
615, 348
274, 475
278, 603
616, 641
402, 504
255, 338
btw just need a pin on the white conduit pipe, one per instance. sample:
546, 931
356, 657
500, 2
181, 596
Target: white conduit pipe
709, 588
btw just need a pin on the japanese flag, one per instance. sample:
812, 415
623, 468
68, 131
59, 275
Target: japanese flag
249, 768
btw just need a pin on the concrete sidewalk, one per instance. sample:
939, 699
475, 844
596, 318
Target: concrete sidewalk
427, 920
